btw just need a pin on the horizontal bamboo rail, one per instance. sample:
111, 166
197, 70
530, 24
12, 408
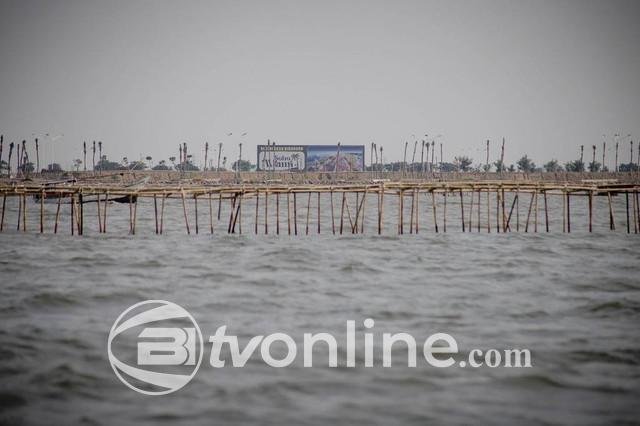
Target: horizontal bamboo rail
498, 201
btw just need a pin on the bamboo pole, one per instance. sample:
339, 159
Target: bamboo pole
488, 211
308, 213
333, 220
257, 209
568, 212
24, 212
195, 208
364, 196
184, 210
564, 210
462, 210
380, 208
164, 197
295, 213
72, 216
42, 212
100, 214
55, 225
435, 215
634, 197
612, 222
401, 212
590, 211
627, 203
219, 203
130, 216
318, 212
413, 208
507, 225
232, 210
19, 210
135, 213
546, 212
526, 226
104, 219
504, 214
444, 212
535, 219
342, 212
4, 206
277, 213
472, 193
238, 215
210, 214
479, 209
517, 209
266, 212
417, 196
497, 211
288, 214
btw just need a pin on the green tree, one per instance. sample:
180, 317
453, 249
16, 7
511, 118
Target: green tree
574, 166
500, 167
594, 166
526, 165
245, 166
552, 166
463, 163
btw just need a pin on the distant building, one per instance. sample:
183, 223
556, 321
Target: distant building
311, 158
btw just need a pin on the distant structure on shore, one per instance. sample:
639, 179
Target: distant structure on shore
311, 158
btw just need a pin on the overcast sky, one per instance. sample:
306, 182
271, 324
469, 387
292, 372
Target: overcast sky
142, 76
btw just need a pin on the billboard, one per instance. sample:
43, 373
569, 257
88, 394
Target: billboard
311, 158
281, 158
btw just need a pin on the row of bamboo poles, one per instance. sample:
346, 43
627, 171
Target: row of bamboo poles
497, 201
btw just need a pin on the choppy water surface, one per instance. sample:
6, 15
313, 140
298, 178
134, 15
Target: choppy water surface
574, 300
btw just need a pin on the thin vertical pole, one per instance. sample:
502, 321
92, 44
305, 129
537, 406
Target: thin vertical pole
164, 197
535, 219
413, 208
257, 209
308, 212
546, 212
612, 222
42, 212
295, 213
319, 211
462, 210
479, 208
195, 207
55, 225
4, 205
444, 211
497, 210
488, 210
627, 200
288, 213
266, 212
333, 220
99, 214
210, 214
342, 212
184, 211
435, 216
568, 212
277, 213
104, 219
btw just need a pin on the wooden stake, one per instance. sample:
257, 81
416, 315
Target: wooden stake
333, 220
546, 211
627, 200
277, 213
55, 225
318, 212
435, 216
100, 214
288, 214
4, 205
526, 226
413, 208
444, 212
195, 207
462, 210
159, 229
342, 212
210, 214
308, 213
104, 219
295, 214
590, 211
257, 209
612, 222
42, 212
184, 210
266, 212
568, 212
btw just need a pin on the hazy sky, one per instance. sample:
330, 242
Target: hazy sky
143, 76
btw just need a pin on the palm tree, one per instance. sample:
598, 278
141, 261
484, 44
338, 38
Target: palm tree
148, 158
